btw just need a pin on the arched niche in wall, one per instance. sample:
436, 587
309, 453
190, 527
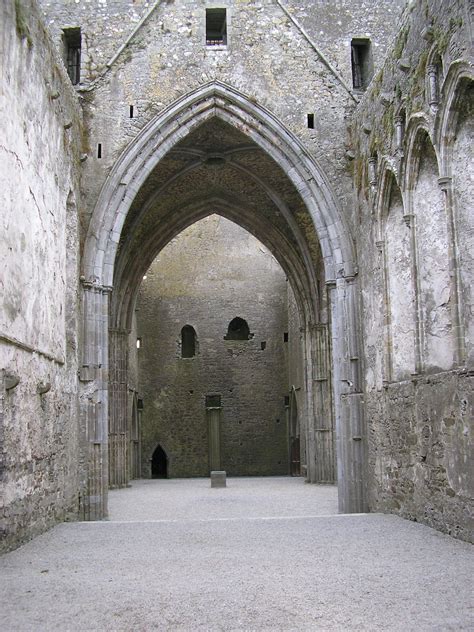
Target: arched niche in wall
238, 329
188, 342
432, 259
159, 463
400, 291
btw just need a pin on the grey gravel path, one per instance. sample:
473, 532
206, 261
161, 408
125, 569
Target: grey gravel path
156, 567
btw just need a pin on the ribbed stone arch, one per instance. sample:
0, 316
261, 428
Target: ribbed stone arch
124, 298
176, 122
125, 180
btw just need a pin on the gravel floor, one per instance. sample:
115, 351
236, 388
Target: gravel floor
186, 560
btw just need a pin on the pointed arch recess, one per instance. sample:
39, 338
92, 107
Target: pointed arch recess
172, 125
100, 250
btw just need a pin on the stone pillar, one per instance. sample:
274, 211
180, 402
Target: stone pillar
399, 132
387, 347
94, 400
351, 439
409, 220
433, 83
119, 431
325, 458
214, 415
446, 185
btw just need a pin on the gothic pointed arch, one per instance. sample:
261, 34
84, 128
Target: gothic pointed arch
324, 238
174, 123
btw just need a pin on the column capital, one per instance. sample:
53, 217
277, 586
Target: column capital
445, 182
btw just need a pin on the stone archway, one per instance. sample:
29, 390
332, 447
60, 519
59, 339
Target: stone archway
216, 100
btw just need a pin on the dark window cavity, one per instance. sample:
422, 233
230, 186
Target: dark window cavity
238, 330
362, 67
216, 27
131, 111
188, 342
72, 53
310, 121
99, 150
213, 401
285, 336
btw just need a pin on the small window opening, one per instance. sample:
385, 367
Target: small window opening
263, 345
216, 27
139, 404
139, 343
72, 54
99, 150
188, 342
285, 336
362, 67
238, 330
287, 400
131, 111
159, 463
213, 401
310, 121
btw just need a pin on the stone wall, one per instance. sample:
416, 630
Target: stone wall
39, 193
211, 273
413, 173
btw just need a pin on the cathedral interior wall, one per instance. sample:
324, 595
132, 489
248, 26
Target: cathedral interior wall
413, 256
39, 167
210, 274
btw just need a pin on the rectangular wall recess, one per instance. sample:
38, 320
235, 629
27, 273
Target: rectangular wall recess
361, 61
216, 27
72, 53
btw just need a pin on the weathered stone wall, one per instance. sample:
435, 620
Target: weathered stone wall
211, 273
415, 255
39, 193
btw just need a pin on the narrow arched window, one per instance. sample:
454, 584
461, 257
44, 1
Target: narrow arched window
238, 330
188, 342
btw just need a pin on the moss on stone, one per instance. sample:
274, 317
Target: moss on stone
401, 42
22, 28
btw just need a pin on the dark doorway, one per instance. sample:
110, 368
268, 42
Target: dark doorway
159, 463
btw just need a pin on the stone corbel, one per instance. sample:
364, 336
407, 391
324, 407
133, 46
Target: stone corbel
43, 387
445, 183
10, 380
